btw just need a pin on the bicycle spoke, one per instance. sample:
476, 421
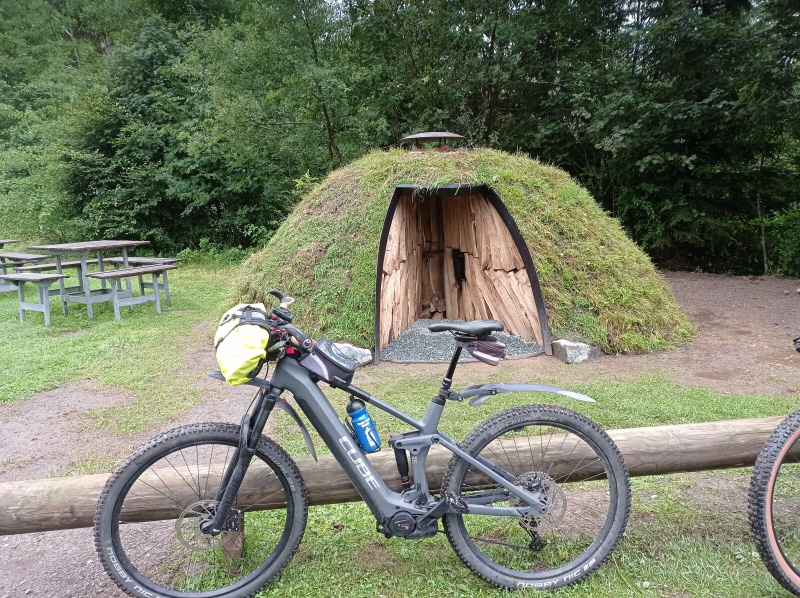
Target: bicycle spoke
564, 471
174, 552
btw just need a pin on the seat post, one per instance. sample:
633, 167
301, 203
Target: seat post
448, 377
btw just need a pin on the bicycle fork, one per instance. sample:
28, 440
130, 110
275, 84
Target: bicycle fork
249, 433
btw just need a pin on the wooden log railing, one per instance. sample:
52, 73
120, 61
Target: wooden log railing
65, 503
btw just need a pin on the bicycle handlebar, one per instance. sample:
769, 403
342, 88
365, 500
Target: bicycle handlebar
301, 337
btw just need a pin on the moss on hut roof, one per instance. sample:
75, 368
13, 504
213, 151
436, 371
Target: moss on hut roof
597, 284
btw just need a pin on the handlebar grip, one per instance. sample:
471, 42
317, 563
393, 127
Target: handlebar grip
285, 300
302, 338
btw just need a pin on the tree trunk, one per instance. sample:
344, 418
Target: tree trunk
333, 149
761, 218
108, 45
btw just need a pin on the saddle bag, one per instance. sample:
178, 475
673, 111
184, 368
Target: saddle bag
328, 362
487, 351
241, 342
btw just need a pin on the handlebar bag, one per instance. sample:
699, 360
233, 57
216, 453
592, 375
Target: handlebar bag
487, 351
327, 361
241, 342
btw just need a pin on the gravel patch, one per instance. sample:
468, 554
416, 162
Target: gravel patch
420, 344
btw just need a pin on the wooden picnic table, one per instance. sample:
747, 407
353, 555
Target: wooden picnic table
81, 250
14, 260
7, 242
21, 258
42, 283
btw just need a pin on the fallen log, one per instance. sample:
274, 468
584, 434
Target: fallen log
65, 503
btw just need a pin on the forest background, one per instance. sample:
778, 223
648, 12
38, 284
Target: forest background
200, 122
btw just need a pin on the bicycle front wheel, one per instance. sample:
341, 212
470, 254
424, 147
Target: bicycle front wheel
774, 505
580, 477
147, 524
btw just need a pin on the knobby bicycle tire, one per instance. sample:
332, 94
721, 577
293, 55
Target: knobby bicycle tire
147, 522
774, 503
582, 479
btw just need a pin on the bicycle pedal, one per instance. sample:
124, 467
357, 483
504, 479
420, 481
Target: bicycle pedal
455, 503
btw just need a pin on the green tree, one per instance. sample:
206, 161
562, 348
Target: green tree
142, 165
689, 134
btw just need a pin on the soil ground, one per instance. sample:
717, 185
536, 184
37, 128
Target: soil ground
745, 327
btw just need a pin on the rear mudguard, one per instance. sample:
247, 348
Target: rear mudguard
481, 393
283, 404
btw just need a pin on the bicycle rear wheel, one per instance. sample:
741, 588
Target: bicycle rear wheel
147, 523
774, 505
581, 478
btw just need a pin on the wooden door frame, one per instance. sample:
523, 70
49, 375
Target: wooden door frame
506, 217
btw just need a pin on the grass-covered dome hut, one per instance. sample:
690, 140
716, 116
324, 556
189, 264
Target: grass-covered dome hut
466, 234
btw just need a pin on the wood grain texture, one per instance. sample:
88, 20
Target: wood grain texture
88, 246
418, 267
138, 271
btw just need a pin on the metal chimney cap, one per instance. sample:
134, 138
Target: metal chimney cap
432, 136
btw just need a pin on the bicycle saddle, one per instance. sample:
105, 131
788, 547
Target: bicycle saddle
474, 328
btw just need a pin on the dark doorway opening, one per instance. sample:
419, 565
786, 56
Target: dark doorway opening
455, 252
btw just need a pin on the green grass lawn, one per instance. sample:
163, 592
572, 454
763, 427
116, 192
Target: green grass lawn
141, 354
674, 546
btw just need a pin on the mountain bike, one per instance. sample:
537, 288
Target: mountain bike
774, 502
536, 496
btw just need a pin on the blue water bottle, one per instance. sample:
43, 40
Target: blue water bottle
366, 434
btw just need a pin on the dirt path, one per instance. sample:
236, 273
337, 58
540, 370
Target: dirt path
47, 435
744, 342
745, 327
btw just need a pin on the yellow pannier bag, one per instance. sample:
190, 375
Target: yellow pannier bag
241, 342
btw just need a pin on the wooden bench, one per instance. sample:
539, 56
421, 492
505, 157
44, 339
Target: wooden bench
43, 282
49, 267
14, 261
52, 266
144, 261
147, 261
121, 299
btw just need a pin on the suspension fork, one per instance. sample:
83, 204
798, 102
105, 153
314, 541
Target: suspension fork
249, 434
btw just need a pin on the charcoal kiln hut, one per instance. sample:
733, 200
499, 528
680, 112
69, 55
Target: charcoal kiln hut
398, 235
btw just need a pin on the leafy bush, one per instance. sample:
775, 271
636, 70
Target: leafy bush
211, 254
142, 165
784, 236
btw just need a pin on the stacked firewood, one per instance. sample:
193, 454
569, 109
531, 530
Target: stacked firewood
454, 257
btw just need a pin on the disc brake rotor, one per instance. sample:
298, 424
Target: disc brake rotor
188, 525
551, 495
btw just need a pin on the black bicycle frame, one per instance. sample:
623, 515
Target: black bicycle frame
383, 502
